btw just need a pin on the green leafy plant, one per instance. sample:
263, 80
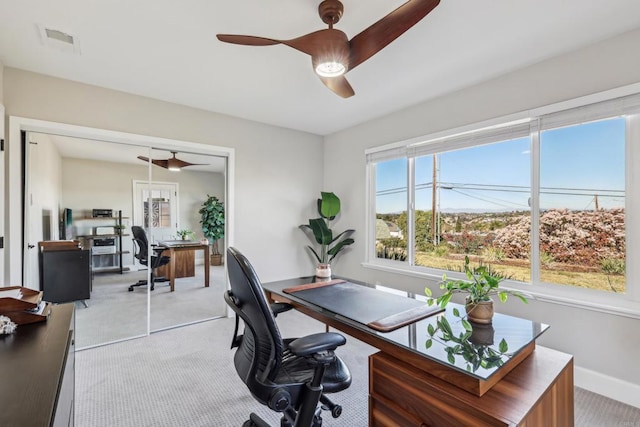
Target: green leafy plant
212, 221
481, 285
477, 353
318, 229
186, 234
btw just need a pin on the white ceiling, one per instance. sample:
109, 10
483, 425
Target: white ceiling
166, 49
77, 148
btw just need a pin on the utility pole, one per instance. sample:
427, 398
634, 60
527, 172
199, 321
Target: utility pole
595, 198
433, 201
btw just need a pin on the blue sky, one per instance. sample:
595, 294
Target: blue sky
578, 162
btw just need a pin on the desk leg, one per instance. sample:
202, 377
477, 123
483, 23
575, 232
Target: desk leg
206, 266
172, 270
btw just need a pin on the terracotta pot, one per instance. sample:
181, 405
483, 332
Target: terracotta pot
482, 334
480, 312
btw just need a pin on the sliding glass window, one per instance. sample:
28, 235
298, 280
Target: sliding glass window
541, 200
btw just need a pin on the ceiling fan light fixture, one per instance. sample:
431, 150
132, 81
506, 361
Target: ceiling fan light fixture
173, 164
330, 69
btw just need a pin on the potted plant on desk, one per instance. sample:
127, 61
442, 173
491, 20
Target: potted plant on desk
212, 221
481, 286
186, 234
318, 230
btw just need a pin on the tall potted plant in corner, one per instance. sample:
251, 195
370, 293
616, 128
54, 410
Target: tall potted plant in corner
319, 230
212, 221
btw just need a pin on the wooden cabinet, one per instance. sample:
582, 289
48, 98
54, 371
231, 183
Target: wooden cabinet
37, 367
65, 275
537, 392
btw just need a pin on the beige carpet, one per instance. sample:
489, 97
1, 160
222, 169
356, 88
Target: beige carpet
185, 377
114, 313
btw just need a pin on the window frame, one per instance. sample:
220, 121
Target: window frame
568, 113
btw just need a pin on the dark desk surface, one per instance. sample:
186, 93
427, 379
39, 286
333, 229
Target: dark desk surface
31, 362
517, 333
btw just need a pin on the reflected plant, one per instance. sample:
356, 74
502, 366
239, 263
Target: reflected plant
477, 351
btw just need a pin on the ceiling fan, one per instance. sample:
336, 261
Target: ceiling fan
173, 164
332, 53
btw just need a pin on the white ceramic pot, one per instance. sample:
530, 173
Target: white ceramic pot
323, 270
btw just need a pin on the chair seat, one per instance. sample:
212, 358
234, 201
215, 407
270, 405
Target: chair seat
299, 370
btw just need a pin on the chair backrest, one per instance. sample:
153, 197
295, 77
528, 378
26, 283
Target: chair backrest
140, 239
259, 355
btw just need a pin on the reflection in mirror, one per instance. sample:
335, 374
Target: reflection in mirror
190, 285
86, 187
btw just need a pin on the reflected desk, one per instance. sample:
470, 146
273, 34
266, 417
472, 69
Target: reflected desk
411, 384
182, 263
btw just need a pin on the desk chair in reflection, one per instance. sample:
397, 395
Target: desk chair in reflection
142, 254
290, 376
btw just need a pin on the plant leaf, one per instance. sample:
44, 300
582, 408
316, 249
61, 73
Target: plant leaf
329, 205
428, 344
503, 346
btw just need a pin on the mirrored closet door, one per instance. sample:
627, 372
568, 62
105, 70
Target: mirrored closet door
186, 191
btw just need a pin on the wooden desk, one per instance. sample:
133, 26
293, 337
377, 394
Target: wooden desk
408, 387
37, 370
182, 263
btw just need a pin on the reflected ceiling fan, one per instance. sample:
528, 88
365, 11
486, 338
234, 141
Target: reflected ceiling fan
332, 53
173, 164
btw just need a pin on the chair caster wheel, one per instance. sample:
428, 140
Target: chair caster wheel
130, 288
336, 411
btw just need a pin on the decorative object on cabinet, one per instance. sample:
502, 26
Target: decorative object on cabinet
23, 305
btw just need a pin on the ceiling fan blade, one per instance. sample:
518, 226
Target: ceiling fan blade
161, 163
181, 163
143, 158
339, 85
247, 40
314, 43
373, 39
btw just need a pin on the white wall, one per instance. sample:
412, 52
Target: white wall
88, 184
278, 171
600, 342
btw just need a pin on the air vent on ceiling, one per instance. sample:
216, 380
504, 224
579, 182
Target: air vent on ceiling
58, 39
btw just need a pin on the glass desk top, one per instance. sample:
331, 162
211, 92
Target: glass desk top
479, 354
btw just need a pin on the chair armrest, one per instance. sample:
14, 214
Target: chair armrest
280, 307
316, 343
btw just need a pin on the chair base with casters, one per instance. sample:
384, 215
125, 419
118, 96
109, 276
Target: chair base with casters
290, 376
142, 255
143, 282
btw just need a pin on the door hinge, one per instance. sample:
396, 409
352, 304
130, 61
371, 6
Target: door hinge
1, 144
1, 242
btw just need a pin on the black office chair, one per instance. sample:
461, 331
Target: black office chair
142, 254
291, 375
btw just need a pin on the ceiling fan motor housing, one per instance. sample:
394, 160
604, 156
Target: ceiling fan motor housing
330, 11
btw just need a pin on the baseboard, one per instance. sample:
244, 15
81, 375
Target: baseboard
613, 388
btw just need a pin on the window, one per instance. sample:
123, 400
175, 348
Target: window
542, 200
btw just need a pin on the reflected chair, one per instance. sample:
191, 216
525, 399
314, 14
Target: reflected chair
142, 255
290, 376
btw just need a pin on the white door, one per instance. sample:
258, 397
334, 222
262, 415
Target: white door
42, 189
155, 208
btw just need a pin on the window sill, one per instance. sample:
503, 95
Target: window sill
579, 298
